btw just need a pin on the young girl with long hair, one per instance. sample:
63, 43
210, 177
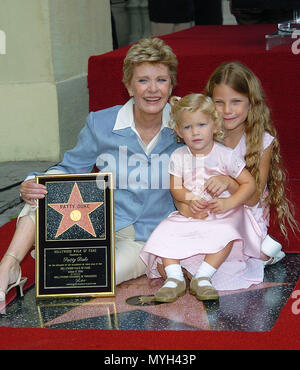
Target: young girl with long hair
239, 97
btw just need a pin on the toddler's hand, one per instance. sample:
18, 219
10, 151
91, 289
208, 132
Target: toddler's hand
185, 210
198, 205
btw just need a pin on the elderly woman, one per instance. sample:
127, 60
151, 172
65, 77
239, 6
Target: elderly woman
136, 133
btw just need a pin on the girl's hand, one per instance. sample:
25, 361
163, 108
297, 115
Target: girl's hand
219, 205
30, 191
198, 205
216, 185
185, 210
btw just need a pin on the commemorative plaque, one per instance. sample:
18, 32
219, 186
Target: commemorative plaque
75, 236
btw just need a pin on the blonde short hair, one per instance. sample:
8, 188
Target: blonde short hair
192, 103
150, 50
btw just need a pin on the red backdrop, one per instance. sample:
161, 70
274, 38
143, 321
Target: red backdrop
200, 50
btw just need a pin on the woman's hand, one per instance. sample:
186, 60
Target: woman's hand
30, 191
216, 185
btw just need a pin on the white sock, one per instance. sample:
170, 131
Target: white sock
173, 271
205, 270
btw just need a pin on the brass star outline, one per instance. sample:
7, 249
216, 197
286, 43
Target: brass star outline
81, 218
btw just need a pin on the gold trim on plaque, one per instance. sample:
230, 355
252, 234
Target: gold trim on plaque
107, 239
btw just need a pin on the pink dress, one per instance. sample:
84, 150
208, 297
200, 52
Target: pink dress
189, 239
257, 210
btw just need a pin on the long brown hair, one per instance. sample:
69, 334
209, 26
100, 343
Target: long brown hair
241, 79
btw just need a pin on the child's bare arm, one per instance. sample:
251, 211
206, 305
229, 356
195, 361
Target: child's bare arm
178, 191
264, 168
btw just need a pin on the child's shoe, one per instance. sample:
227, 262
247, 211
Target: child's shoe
167, 295
272, 248
203, 293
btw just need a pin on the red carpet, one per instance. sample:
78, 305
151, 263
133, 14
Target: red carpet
284, 335
6, 233
293, 244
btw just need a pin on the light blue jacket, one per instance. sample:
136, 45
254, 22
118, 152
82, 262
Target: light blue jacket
142, 197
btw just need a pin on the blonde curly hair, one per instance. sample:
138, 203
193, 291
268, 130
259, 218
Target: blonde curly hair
150, 50
243, 80
193, 103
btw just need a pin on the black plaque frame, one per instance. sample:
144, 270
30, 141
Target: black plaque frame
75, 251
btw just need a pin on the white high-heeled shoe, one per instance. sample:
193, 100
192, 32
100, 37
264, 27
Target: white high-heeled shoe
19, 283
272, 248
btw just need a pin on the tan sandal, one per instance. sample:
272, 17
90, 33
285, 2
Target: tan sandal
168, 295
203, 293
